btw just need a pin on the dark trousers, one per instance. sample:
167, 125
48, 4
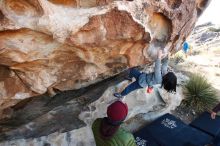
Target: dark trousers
133, 86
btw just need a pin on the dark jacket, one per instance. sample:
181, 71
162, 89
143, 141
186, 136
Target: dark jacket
216, 108
120, 137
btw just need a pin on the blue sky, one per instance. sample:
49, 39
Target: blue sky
211, 14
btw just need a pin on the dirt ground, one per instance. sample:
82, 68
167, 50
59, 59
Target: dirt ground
204, 61
185, 114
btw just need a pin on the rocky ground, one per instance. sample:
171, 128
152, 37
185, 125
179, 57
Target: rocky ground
47, 120
203, 59
66, 120
64, 46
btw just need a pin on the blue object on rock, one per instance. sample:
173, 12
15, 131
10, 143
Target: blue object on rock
185, 47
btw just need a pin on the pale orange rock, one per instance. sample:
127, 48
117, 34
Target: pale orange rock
12, 89
69, 44
81, 3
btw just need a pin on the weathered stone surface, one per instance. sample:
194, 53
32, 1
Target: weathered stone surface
68, 44
66, 120
206, 35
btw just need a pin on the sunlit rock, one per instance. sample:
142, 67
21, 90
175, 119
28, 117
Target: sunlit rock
70, 123
67, 44
59, 45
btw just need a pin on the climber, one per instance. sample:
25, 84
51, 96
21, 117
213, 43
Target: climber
187, 49
160, 76
107, 131
215, 110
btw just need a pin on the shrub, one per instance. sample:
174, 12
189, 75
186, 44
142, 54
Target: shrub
199, 94
196, 52
179, 57
214, 29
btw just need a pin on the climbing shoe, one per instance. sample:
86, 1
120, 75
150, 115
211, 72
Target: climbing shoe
118, 95
128, 78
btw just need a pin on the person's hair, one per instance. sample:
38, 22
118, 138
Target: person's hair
169, 82
107, 129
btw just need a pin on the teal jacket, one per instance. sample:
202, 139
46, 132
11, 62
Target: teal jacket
120, 138
155, 77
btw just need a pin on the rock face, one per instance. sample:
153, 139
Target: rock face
66, 120
59, 45
69, 44
205, 36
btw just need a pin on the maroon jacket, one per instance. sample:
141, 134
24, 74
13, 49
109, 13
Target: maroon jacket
216, 108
